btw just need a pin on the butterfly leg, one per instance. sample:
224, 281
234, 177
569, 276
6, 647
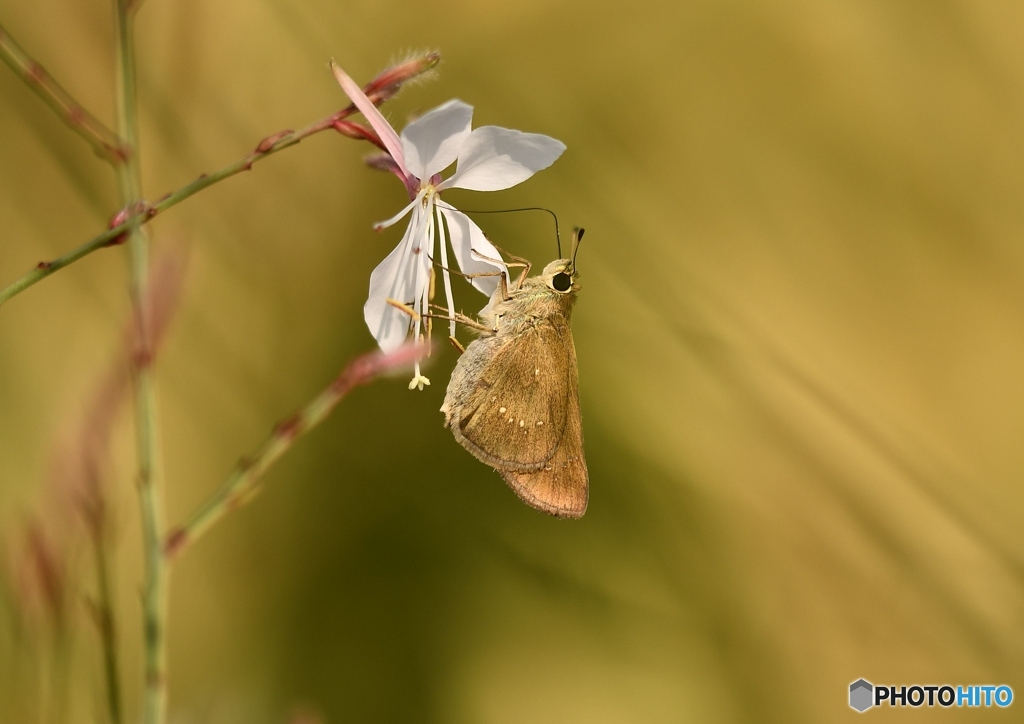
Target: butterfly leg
458, 317
464, 275
516, 261
505, 296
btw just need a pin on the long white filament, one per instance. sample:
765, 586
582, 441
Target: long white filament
447, 277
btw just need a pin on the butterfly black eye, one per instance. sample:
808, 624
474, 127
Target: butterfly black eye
561, 282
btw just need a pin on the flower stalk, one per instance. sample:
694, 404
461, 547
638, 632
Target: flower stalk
147, 437
382, 88
107, 144
104, 616
243, 482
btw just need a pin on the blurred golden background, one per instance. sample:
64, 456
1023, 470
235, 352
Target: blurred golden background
799, 337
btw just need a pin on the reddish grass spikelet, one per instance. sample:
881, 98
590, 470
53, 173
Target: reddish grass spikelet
391, 80
76, 499
144, 337
176, 540
119, 218
35, 72
268, 143
359, 132
289, 429
40, 574
366, 368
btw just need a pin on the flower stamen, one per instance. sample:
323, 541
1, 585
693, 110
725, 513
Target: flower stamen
381, 225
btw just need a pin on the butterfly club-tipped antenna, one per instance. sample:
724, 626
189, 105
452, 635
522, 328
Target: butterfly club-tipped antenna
577, 237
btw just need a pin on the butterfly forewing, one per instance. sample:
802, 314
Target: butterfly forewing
504, 405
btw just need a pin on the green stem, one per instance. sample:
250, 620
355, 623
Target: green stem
105, 142
243, 482
133, 216
108, 633
154, 598
46, 268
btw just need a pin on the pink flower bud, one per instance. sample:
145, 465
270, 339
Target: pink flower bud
359, 132
387, 83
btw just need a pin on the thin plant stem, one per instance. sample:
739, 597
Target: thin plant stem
108, 633
147, 438
60, 675
142, 213
44, 269
243, 482
107, 144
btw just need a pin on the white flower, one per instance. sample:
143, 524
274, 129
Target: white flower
489, 159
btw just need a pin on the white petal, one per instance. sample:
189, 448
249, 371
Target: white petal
401, 276
494, 158
431, 143
377, 121
467, 238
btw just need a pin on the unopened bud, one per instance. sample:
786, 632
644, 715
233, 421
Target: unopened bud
387, 84
120, 217
384, 162
270, 141
359, 132
125, 214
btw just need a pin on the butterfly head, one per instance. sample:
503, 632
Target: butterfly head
561, 275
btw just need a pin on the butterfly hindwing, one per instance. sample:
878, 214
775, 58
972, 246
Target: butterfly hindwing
561, 487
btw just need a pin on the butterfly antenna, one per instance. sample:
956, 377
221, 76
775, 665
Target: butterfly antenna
558, 235
577, 237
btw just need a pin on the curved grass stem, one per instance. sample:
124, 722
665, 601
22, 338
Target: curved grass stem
147, 437
243, 482
385, 86
107, 144
108, 632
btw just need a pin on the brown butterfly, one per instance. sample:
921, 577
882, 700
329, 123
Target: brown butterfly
513, 399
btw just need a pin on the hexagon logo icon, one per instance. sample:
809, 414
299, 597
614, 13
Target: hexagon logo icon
861, 695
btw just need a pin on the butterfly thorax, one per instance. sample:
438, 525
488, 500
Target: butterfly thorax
537, 300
